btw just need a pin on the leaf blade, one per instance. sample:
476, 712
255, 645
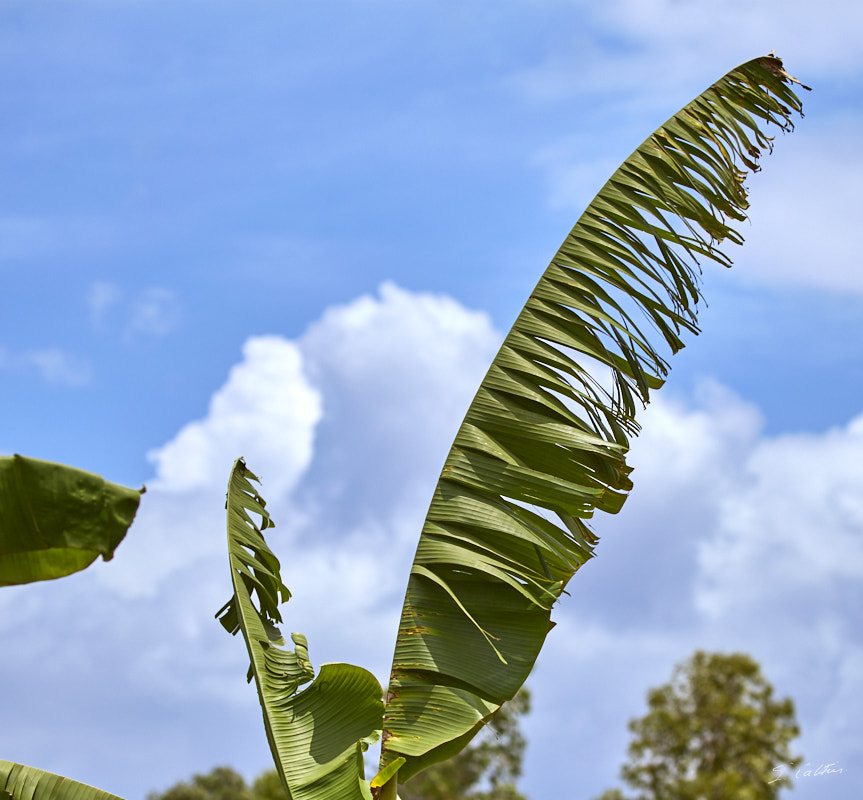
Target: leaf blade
546, 432
20, 782
317, 736
56, 519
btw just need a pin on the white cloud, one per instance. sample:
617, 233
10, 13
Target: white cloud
101, 297
57, 366
796, 30
802, 214
795, 524
681, 448
397, 374
348, 426
265, 412
647, 49
695, 560
54, 365
154, 313
803, 211
803, 205
731, 540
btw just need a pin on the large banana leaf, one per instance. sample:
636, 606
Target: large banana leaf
55, 520
317, 736
544, 442
18, 782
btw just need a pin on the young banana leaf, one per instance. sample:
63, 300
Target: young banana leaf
317, 736
55, 520
544, 442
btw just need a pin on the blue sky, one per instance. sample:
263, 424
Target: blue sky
297, 232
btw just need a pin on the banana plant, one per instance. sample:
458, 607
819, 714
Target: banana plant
542, 447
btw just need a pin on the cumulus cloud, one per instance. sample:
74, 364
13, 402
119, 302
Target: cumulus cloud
803, 212
397, 374
348, 427
731, 540
266, 412
342, 425
796, 523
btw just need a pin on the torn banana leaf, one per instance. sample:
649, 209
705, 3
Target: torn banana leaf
318, 735
544, 442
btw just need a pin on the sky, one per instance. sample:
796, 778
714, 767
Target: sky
297, 232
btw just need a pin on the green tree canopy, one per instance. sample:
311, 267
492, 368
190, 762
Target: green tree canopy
221, 783
714, 731
487, 769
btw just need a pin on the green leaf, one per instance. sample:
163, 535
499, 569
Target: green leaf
544, 442
55, 520
18, 782
317, 736
386, 773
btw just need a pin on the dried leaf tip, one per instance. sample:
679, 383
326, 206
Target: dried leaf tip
774, 64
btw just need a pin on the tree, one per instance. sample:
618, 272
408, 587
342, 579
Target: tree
268, 786
714, 731
542, 447
494, 759
221, 783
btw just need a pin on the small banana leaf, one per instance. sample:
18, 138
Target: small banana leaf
317, 736
18, 782
544, 442
55, 519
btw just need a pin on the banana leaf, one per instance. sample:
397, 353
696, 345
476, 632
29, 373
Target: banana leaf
18, 782
56, 520
544, 443
317, 736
